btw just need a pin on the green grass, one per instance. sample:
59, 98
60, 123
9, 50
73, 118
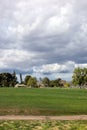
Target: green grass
43, 101
43, 125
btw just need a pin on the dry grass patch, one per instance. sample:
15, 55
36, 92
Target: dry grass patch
43, 125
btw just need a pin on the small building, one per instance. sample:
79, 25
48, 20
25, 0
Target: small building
20, 85
40, 84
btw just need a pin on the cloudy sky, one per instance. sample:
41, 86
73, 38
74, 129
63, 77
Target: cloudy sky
43, 37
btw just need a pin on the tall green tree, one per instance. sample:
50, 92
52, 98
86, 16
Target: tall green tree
14, 79
32, 82
7, 80
21, 80
46, 82
56, 83
79, 76
85, 76
27, 79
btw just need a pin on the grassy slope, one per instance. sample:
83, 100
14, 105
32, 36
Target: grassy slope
43, 101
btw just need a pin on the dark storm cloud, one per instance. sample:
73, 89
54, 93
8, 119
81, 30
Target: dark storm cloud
43, 34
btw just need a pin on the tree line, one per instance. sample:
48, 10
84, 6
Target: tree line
79, 78
10, 80
44, 82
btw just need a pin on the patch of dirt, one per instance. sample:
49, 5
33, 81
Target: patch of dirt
19, 117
